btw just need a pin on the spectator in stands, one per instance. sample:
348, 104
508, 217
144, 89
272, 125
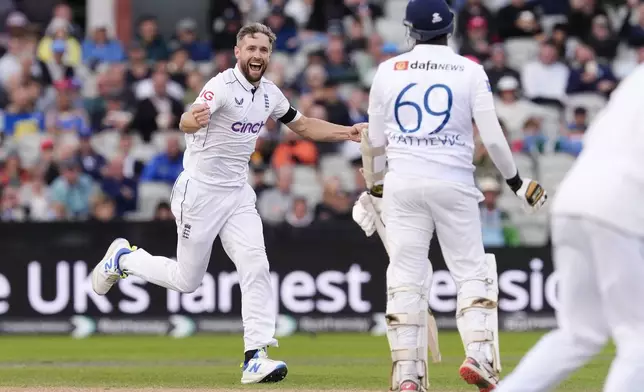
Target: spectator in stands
100, 48
65, 117
498, 68
46, 165
476, 41
119, 188
511, 108
602, 40
90, 161
159, 111
132, 167
496, 229
194, 83
11, 63
258, 173
544, 80
12, 173
588, 76
533, 141
285, 28
581, 16
104, 210
59, 31
55, 68
138, 67
12, 210
294, 150
20, 117
339, 67
166, 166
226, 24
299, 215
72, 192
633, 28
186, 38
35, 196
275, 202
63, 11
163, 212
474, 8
571, 140
115, 115
179, 66
559, 38
519, 19
151, 40
336, 203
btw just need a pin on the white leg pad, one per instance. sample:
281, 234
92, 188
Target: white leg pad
477, 315
407, 334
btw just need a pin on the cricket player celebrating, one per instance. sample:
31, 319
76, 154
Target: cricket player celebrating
598, 250
212, 196
421, 107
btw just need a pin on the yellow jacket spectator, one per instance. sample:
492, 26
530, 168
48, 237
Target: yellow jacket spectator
59, 30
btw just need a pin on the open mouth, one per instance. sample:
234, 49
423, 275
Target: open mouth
255, 66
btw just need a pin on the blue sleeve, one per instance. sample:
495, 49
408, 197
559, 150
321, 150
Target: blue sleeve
150, 170
574, 82
608, 74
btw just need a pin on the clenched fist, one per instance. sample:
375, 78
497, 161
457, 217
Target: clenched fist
201, 113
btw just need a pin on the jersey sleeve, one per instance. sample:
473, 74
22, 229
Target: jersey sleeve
284, 112
482, 96
214, 94
377, 119
484, 114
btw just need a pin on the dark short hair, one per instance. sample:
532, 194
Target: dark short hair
256, 28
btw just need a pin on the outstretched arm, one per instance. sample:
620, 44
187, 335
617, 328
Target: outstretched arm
324, 131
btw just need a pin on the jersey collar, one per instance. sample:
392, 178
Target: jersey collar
248, 86
433, 48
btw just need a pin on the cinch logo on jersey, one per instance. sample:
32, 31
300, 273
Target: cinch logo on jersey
433, 66
443, 140
241, 127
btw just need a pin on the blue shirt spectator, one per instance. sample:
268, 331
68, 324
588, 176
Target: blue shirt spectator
589, 76
166, 166
285, 29
101, 49
71, 192
198, 51
19, 124
119, 188
89, 160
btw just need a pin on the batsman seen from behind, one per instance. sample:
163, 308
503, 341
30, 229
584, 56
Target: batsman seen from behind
212, 196
421, 108
597, 230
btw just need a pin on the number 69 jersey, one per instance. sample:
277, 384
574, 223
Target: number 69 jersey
422, 102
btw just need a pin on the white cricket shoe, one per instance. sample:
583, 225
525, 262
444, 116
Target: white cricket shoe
107, 271
261, 369
480, 374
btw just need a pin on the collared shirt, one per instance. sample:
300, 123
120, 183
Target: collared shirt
219, 153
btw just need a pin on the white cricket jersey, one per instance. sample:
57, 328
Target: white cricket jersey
606, 182
219, 153
425, 100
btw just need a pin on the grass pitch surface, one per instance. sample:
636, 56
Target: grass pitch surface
328, 362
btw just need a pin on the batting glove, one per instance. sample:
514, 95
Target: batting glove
530, 192
365, 219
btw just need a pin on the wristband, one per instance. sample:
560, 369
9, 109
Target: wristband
515, 183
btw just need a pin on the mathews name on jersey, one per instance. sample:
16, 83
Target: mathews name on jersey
423, 102
219, 153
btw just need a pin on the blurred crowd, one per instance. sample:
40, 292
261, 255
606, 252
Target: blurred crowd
89, 124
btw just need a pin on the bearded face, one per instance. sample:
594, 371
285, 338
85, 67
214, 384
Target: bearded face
253, 53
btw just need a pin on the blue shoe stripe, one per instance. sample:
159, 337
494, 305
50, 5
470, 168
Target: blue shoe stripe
117, 256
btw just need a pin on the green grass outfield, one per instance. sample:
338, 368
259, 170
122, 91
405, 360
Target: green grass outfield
340, 362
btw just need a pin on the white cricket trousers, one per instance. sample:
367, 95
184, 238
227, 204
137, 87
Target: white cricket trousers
412, 209
601, 295
202, 212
